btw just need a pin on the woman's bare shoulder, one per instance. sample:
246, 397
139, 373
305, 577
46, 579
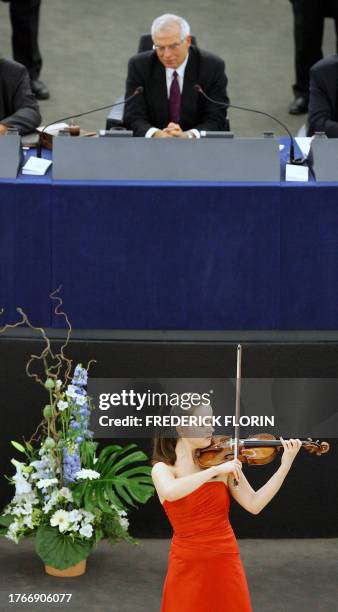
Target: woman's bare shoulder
163, 468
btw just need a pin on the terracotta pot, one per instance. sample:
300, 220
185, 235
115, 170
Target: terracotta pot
69, 572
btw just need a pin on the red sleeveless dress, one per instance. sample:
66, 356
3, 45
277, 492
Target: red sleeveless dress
205, 572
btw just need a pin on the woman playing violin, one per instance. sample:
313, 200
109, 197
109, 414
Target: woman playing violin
205, 572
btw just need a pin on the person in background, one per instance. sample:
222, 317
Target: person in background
18, 107
309, 18
323, 103
24, 16
170, 106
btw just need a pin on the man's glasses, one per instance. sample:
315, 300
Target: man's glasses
172, 47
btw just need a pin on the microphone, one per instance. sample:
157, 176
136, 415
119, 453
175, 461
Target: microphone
139, 90
293, 160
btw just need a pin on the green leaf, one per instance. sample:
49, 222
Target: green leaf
88, 500
121, 482
5, 521
101, 500
87, 452
132, 458
141, 469
112, 497
18, 446
124, 494
103, 454
77, 493
58, 549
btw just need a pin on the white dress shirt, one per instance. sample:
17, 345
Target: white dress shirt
169, 72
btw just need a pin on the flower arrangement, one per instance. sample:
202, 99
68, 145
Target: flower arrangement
66, 494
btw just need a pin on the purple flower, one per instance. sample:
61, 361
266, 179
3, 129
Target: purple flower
80, 376
71, 463
74, 425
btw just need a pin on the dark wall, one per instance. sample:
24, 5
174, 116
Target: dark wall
306, 506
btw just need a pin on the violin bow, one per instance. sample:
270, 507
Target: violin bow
238, 403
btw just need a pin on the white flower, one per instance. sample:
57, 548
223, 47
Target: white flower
74, 516
66, 494
27, 521
74, 527
58, 384
87, 474
21, 485
88, 516
28, 497
12, 531
62, 405
48, 506
46, 482
124, 523
26, 508
86, 530
60, 519
80, 400
72, 391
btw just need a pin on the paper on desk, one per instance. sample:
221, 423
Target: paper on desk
36, 166
296, 173
54, 128
304, 144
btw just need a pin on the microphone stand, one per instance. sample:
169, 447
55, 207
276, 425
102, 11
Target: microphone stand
293, 160
137, 91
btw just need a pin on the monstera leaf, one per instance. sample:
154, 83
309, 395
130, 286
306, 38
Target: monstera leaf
121, 482
58, 549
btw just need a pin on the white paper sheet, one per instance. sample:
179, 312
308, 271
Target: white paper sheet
296, 173
36, 166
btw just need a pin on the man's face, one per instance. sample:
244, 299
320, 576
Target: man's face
170, 49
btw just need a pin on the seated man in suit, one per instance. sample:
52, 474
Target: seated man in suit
169, 106
323, 103
18, 107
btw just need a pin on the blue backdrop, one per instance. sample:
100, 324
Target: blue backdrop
177, 256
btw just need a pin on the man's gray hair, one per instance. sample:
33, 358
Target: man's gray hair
165, 22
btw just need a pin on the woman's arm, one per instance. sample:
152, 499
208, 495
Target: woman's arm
255, 501
171, 488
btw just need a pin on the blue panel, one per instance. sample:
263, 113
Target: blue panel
25, 252
309, 256
167, 257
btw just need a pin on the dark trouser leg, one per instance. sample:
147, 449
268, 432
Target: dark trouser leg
308, 35
24, 16
335, 17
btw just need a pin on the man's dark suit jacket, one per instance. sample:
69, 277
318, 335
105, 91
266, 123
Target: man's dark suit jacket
18, 107
150, 109
323, 107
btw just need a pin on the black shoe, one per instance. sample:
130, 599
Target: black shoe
39, 89
299, 106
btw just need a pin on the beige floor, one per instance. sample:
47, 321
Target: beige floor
283, 575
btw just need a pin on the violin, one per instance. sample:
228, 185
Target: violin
259, 449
